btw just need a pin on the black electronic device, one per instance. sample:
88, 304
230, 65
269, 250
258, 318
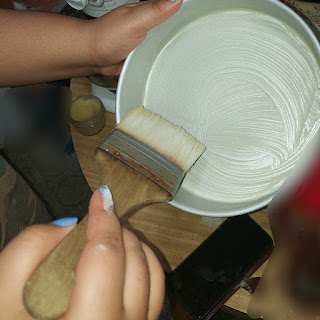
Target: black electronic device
223, 263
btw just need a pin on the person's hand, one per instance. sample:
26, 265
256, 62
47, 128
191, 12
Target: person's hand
117, 33
118, 277
39, 47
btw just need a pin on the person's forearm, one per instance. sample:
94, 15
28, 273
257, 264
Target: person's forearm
37, 47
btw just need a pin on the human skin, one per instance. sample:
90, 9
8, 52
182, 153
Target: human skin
38, 46
117, 278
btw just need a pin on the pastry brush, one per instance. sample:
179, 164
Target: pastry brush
143, 161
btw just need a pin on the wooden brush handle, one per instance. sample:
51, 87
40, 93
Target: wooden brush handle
48, 291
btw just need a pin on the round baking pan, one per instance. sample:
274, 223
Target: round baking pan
137, 81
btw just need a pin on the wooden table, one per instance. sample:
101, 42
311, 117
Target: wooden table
172, 233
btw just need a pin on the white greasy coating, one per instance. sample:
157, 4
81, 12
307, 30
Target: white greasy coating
246, 86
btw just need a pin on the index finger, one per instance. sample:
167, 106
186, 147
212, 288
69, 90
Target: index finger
100, 274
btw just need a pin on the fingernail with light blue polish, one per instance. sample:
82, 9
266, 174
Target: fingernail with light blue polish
174, 0
65, 222
108, 204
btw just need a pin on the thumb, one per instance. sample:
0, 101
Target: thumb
149, 14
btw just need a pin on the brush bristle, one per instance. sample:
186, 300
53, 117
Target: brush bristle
170, 141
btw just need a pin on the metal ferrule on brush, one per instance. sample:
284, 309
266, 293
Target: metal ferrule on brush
144, 159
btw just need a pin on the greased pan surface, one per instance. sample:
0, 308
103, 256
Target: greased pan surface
242, 76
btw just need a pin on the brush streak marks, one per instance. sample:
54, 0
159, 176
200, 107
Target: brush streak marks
247, 87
